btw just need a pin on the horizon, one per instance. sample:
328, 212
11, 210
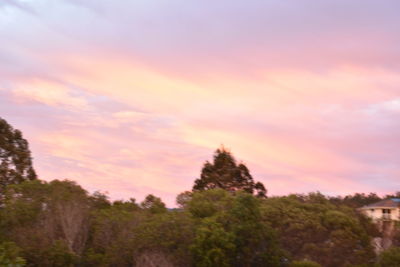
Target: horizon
132, 99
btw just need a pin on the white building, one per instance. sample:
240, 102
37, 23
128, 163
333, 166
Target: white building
385, 210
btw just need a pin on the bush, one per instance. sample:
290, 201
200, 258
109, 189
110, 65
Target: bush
390, 258
9, 255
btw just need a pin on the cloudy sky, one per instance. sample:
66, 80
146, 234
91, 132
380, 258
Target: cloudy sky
131, 97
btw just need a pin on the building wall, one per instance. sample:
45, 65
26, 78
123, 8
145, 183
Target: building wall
396, 214
377, 213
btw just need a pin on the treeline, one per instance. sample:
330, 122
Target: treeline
59, 224
225, 220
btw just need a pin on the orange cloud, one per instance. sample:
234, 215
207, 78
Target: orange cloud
139, 113
49, 93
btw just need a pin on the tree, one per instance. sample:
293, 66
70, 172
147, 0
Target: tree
231, 231
225, 173
67, 211
163, 239
48, 221
112, 231
183, 198
256, 242
213, 245
357, 200
15, 157
153, 204
310, 227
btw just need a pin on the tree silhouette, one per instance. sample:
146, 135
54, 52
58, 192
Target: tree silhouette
15, 157
225, 173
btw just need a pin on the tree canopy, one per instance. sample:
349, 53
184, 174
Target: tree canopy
225, 173
312, 228
15, 157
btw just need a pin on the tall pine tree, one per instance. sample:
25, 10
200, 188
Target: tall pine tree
15, 157
225, 173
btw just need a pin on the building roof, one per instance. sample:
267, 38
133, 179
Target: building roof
387, 203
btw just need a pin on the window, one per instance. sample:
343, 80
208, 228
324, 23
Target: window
386, 211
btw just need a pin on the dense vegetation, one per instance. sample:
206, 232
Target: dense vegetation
225, 173
226, 220
15, 157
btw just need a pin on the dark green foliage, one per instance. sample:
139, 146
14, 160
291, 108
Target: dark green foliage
231, 232
153, 204
183, 198
390, 258
225, 173
210, 202
395, 195
256, 242
111, 232
165, 238
59, 224
125, 234
57, 255
10, 255
15, 157
357, 200
312, 228
48, 221
213, 245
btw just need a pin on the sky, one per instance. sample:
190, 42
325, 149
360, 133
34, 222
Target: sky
132, 97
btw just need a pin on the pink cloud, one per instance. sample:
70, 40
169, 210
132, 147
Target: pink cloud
309, 102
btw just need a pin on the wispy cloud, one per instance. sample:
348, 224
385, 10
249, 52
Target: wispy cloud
132, 98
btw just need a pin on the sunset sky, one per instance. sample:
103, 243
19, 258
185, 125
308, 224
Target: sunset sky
131, 97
